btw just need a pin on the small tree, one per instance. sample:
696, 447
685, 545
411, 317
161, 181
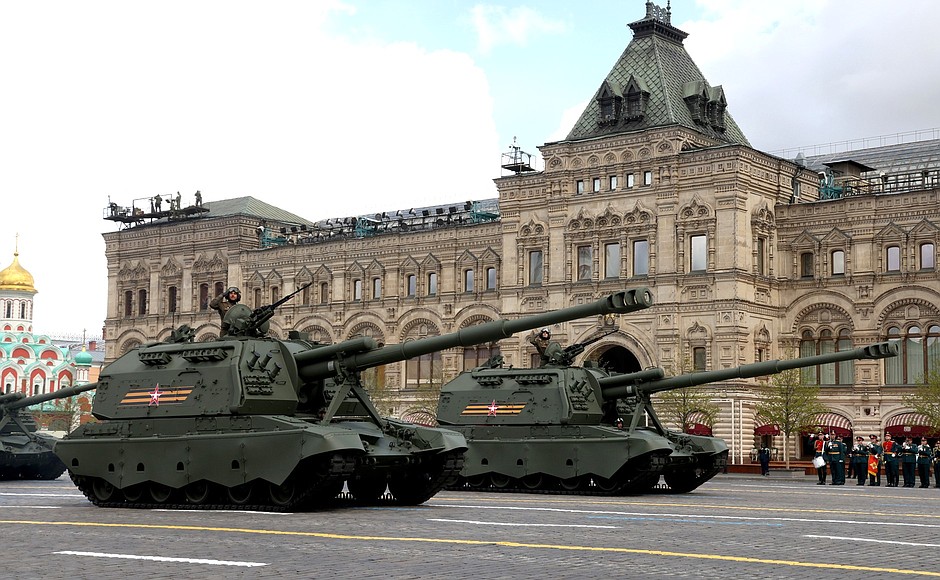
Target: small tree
680, 405
926, 399
790, 404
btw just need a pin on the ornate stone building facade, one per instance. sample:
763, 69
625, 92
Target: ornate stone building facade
655, 186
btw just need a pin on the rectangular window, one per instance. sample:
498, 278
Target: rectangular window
535, 268
806, 265
647, 178
927, 256
324, 292
128, 305
491, 278
761, 249
613, 182
204, 296
468, 281
579, 186
698, 358
641, 257
357, 290
142, 302
376, 288
171, 299
838, 263
894, 258
631, 180
584, 263
611, 260
597, 184
699, 253
412, 285
275, 293
432, 284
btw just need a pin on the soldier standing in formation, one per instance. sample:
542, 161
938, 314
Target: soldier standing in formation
874, 460
924, 458
908, 461
819, 450
936, 462
860, 460
891, 461
835, 455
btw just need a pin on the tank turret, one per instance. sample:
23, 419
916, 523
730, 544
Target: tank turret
27, 453
275, 424
580, 429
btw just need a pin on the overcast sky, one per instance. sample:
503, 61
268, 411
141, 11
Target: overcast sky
331, 109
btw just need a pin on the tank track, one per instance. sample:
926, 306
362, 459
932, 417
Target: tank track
330, 476
327, 491
43, 467
628, 480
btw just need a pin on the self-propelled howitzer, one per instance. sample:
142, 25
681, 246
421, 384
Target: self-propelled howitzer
698, 458
249, 420
574, 429
26, 452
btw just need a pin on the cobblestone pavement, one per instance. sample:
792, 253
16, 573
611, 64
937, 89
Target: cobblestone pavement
732, 527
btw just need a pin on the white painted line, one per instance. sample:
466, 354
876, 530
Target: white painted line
30, 507
615, 514
874, 541
521, 525
42, 494
216, 512
163, 559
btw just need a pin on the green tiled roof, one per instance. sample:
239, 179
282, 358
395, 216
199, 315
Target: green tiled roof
252, 207
658, 63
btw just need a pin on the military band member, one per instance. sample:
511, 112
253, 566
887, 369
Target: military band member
890, 454
936, 462
875, 450
860, 460
908, 461
924, 458
835, 455
819, 450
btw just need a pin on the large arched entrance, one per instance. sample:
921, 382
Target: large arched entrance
617, 359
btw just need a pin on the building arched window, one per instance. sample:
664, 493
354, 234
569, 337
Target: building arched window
827, 342
838, 263
919, 354
171, 299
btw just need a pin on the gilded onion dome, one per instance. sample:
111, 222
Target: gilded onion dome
15, 277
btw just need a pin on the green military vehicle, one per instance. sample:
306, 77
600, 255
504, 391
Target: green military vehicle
567, 429
25, 452
249, 421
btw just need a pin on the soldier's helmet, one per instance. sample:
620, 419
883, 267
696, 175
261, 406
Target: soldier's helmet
544, 333
236, 291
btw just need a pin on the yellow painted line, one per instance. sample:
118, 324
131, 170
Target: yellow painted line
453, 541
544, 499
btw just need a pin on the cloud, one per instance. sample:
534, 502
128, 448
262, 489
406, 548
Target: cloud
498, 25
114, 101
814, 73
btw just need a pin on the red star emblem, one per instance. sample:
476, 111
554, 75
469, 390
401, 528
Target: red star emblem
493, 407
155, 396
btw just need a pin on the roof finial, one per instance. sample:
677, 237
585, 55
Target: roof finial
16, 245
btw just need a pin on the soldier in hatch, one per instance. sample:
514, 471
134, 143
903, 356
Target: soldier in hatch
548, 349
223, 302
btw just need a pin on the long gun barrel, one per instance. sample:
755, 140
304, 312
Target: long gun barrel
620, 386
313, 366
15, 401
